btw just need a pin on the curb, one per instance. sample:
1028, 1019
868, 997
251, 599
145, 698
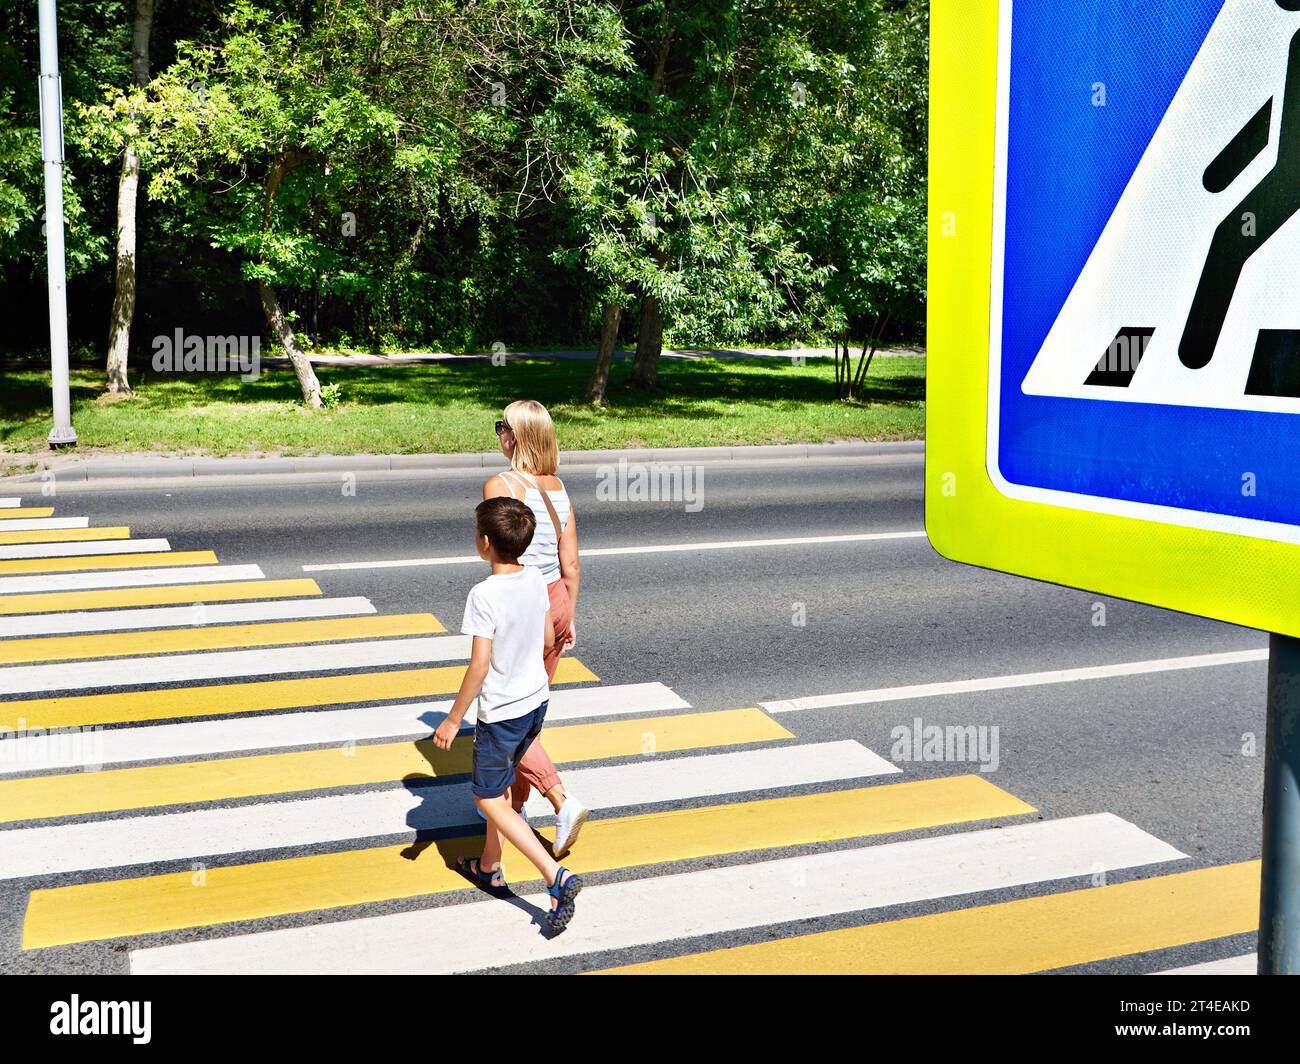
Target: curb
197, 468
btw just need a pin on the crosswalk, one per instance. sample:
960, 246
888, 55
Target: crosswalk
221, 772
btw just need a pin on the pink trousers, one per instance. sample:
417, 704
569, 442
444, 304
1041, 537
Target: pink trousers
535, 768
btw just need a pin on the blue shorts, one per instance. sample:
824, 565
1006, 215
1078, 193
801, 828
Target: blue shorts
498, 748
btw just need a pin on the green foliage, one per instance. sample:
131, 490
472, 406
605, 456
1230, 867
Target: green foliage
460, 173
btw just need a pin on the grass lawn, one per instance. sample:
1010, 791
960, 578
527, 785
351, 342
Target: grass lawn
448, 407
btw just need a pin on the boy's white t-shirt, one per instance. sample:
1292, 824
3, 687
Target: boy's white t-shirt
510, 609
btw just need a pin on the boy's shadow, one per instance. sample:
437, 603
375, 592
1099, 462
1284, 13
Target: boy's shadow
434, 814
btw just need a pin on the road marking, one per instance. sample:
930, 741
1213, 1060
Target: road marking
485, 934
663, 548
7, 504
108, 561
44, 753
152, 786
218, 637
65, 535
226, 664
225, 699
27, 512
150, 904
1012, 938
1247, 964
181, 616
42, 523
64, 550
1000, 683
243, 582
139, 840
132, 578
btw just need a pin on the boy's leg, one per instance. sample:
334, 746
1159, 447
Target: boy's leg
502, 821
490, 860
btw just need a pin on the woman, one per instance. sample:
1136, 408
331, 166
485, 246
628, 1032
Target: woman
527, 437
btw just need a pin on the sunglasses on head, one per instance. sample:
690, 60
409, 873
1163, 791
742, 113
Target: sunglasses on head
502, 427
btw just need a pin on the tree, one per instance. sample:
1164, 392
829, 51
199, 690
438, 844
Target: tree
854, 183
119, 331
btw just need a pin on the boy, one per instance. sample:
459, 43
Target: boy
509, 616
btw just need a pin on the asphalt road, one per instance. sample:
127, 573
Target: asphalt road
1167, 751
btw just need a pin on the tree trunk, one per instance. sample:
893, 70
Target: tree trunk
649, 345
599, 384
279, 325
869, 349
123, 313
119, 326
650, 334
283, 332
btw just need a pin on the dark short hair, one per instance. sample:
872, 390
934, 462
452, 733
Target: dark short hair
508, 525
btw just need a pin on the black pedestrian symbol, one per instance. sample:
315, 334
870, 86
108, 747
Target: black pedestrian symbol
1275, 368
1255, 220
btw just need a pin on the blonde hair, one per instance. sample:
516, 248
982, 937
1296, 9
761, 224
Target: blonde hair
536, 449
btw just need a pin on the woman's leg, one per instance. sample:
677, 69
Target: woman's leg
536, 769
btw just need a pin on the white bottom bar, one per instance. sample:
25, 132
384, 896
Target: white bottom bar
645, 911
181, 616
225, 664
135, 840
33, 524
189, 574
95, 748
11, 551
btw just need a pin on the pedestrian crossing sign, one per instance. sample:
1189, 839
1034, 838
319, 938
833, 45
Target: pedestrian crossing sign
1114, 298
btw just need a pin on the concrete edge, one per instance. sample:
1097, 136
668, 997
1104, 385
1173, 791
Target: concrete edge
94, 470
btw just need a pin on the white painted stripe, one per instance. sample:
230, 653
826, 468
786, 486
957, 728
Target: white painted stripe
1000, 683
180, 616
33, 524
137, 840
485, 934
64, 550
1247, 964
220, 665
189, 574
7, 503
663, 548
193, 739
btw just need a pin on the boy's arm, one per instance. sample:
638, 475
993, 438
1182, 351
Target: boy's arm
480, 656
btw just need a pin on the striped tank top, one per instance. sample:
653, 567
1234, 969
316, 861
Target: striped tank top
543, 553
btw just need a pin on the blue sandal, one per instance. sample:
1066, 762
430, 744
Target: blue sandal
564, 890
471, 868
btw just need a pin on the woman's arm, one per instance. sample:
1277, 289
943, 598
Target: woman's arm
570, 569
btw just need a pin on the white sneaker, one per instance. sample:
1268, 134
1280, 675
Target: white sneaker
568, 822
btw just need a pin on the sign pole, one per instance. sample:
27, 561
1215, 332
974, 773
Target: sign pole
51, 98
1279, 905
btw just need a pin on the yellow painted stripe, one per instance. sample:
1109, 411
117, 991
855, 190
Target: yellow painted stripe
108, 561
168, 595
220, 637
1013, 938
93, 911
150, 786
66, 535
26, 512
210, 699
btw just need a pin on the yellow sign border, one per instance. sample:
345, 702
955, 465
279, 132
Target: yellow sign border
1234, 578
